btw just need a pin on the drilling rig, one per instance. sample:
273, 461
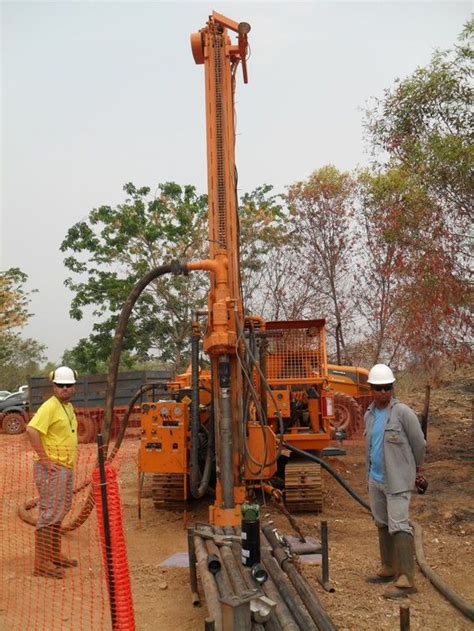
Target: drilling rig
233, 427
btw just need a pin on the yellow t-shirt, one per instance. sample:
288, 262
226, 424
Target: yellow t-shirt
57, 424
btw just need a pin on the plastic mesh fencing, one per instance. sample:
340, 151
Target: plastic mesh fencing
41, 586
114, 549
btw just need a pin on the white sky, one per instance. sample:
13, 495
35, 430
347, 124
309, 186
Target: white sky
98, 94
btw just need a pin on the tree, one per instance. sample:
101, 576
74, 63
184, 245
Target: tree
410, 299
322, 210
422, 192
18, 358
117, 247
14, 300
425, 124
111, 251
267, 263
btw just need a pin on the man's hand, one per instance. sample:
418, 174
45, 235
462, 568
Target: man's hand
421, 483
48, 464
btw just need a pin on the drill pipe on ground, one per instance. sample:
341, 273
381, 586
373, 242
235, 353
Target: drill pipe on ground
192, 569
221, 577
282, 619
309, 598
288, 593
233, 569
233, 579
209, 584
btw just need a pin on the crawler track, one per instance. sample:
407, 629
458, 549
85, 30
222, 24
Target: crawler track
303, 486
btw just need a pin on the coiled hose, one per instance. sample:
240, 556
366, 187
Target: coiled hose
24, 510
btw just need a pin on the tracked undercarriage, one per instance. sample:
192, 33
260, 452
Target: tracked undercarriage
303, 486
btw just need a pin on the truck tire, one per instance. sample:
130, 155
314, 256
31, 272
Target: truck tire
347, 414
86, 431
13, 423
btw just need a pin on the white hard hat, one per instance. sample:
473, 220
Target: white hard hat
63, 374
380, 374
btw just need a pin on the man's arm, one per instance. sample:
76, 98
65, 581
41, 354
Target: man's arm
35, 440
414, 433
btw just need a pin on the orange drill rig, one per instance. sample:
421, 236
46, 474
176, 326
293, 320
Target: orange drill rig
267, 388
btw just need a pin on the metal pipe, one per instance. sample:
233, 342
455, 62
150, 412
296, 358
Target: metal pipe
198, 483
209, 585
309, 598
324, 579
225, 427
221, 577
282, 620
232, 568
288, 593
106, 523
192, 569
404, 617
262, 356
194, 473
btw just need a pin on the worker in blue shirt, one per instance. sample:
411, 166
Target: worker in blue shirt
395, 449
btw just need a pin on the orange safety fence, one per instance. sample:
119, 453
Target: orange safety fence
115, 557
41, 590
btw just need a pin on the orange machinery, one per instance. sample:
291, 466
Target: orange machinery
267, 380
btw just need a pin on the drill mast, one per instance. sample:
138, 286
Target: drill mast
212, 47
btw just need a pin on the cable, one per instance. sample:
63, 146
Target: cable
330, 470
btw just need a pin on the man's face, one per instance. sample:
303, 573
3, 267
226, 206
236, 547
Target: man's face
64, 392
382, 394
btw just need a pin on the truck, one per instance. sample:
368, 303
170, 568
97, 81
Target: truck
88, 401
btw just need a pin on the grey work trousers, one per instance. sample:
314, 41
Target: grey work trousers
55, 488
389, 509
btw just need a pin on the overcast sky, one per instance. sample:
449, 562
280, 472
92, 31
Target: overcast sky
95, 95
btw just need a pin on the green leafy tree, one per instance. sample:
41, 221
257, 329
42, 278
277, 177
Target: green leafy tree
19, 358
115, 247
425, 124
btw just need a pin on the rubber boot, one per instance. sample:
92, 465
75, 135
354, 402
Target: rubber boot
58, 558
44, 565
386, 573
405, 565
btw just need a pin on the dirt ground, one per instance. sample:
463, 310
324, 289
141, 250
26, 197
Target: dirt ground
446, 514
161, 595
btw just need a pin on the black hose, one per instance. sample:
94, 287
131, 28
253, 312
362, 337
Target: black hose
464, 607
199, 483
459, 603
330, 470
172, 268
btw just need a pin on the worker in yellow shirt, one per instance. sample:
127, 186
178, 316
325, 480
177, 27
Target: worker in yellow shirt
53, 434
